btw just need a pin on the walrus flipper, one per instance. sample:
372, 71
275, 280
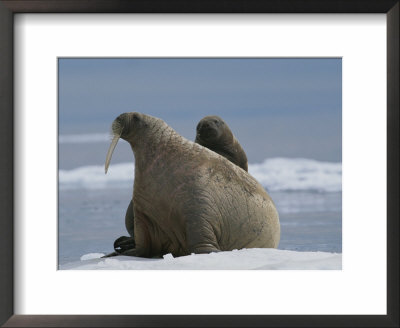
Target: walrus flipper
123, 244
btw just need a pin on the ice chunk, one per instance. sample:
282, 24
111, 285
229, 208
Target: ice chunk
168, 257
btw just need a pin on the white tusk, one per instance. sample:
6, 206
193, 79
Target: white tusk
111, 150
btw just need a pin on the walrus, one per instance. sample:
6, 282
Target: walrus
211, 132
189, 199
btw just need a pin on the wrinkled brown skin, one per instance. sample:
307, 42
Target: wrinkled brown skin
213, 133
189, 199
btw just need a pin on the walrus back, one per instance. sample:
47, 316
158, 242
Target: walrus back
245, 215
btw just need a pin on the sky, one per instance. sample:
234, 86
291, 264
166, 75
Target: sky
275, 107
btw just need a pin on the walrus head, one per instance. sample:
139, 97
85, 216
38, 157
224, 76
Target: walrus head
210, 128
212, 132
124, 126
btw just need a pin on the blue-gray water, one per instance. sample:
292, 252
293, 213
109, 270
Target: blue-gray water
90, 220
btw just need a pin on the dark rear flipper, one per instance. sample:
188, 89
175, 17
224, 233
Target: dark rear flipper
123, 244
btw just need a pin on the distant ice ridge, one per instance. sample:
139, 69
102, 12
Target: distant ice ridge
244, 259
84, 138
298, 174
275, 174
94, 177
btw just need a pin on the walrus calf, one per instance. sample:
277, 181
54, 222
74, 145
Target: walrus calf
212, 132
188, 199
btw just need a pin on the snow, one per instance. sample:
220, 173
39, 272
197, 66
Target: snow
91, 256
244, 259
275, 174
168, 257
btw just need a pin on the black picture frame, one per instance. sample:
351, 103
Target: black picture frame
10, 7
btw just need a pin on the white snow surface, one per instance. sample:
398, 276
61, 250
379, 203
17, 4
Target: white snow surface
274, 174
91, 256
244, 259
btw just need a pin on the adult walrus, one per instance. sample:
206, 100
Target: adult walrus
212, 132
189, 199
